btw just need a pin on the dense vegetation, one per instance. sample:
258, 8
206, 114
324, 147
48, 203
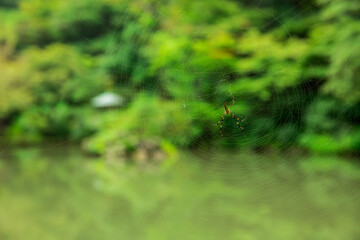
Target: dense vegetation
294, 73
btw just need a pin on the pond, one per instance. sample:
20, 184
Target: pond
58, 193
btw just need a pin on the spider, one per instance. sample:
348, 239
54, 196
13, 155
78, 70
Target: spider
227, 111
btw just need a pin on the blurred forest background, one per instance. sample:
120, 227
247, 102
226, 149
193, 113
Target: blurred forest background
292, 66
294, 76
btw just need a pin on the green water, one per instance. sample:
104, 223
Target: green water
56, 193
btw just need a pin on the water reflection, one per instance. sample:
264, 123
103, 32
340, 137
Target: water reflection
57, 193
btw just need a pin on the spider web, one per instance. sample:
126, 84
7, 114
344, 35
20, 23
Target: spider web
272, 182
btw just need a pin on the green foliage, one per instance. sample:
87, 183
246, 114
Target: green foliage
190, 55
286, 135
323, 116
327, 129
46, 21
59, 73
48, 91
270, 63
136, 122
59, 120
14, 89
8, 3
326, 143
343, 28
